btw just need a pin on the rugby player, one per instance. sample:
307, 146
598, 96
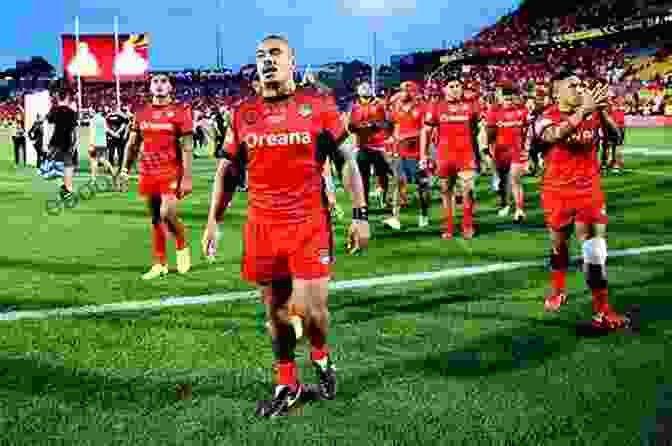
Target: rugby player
506, 127
572, 192
457, 123
164, 131
407, 115
535, 109
615, 145
369, 125
286, 135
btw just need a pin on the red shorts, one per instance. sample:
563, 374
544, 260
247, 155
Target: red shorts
451, 168
561, 210
167, 185
274, 252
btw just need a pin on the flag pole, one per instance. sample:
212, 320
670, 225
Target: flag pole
116, 55
373, 68
79, 76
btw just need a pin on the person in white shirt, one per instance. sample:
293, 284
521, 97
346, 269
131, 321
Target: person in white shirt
98, 143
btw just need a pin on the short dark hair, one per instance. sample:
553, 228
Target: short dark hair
280, 38
170, 77
275, 37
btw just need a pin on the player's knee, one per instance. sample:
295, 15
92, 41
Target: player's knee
155, 210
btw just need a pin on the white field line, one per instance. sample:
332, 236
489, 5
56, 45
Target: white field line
334, 286
647, 151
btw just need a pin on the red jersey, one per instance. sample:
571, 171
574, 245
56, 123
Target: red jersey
511, 124
571, 166
456, 122
407, 118
617, 113
160, 126
366, 112
285, 144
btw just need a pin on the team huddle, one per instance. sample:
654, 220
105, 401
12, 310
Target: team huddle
286, 139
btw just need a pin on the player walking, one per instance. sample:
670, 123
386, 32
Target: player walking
457, 123
572, 192
368, 124
506, 127
165, 128
286, 136
407, 114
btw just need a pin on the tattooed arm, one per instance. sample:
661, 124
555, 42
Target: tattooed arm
356, 185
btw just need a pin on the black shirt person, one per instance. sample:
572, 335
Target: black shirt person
64, 138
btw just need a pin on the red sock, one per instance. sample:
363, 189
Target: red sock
178, 231
285, 373
319, 353
180, 238
159, 243
449, 217
520, 198
468, 216
600, 300
558, 279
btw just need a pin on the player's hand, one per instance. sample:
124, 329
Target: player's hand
186, 186
122, 179
594, 99
359, 235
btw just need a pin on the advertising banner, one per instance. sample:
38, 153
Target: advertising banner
648, 121
95, 59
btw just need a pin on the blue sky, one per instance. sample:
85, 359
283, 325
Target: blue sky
184, 36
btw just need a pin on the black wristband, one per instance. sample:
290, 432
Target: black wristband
360, 214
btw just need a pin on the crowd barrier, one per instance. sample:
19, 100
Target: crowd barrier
647, 122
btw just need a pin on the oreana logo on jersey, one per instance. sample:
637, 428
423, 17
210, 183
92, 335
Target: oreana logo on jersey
508, 124
277, 139
445, 117
156, 126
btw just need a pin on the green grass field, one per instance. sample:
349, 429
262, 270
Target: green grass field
471, 360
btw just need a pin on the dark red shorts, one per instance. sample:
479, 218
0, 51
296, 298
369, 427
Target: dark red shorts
561, 210
279, 251
452, 167
166, 185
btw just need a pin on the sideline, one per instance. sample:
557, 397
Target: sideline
334, 286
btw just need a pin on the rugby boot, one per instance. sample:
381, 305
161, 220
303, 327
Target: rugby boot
555, 300
326, 373
285, 397
608, 319
156, 271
